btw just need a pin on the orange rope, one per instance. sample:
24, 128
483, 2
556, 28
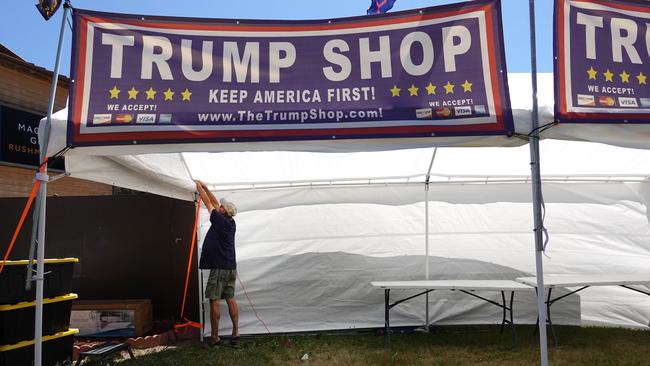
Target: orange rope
22, 218
189, 261
188, 323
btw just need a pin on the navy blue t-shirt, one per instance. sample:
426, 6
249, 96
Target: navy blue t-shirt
219, 244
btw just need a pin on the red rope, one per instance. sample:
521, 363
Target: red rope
188, 323
22, 218
251, 303
189, 261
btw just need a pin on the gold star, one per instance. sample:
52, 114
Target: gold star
413, 91
592, 73
467, 86
641, 78
186, 94
115, 92
449, 88
395, 91
608, 75
168, 94
133, 94
151, 93
431, 89
625, 77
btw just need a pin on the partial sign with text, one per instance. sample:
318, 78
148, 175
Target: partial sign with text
602, 61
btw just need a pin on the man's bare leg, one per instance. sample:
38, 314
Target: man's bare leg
234, 316
214, 319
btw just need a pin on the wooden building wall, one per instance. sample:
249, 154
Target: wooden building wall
18, 182
26, 87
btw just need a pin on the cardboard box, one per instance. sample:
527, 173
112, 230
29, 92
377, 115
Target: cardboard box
112, 318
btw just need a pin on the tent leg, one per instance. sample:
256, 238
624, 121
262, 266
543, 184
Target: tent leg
537, 193
426, 255
40, 253
40, 272
200, 279
426, 234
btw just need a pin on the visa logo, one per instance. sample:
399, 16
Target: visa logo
463, 111
627, 102
146, 118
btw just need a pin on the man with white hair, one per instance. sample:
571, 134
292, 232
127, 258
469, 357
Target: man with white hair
218, 255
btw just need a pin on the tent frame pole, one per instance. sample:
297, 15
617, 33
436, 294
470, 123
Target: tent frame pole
199, 273
198, 253
42, 198
537, 192
426, 236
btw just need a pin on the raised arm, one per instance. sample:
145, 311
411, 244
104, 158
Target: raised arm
215, 202
207, 197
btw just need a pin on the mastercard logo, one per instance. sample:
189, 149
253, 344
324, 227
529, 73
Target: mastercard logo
443, 112
606, 101
123, 118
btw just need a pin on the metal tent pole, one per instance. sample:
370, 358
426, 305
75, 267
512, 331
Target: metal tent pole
200, 277
537, 193
42, 196
426, 235
198, 252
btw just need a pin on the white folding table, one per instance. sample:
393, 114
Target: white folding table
583, 281
465, 286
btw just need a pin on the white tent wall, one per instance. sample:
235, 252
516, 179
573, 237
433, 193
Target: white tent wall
307, 255
350, 213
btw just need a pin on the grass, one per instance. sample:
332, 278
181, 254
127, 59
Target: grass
442, 346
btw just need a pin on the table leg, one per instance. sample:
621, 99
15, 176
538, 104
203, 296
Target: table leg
512, 321
503, 307
548, 315
386, 315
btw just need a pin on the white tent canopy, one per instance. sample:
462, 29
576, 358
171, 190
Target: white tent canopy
319, 221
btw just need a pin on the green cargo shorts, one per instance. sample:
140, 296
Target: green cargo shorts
221, 284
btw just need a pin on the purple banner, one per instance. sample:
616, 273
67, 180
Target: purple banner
433, 72
602, 51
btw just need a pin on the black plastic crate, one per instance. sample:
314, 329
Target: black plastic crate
57, 348
57, 283
17, 321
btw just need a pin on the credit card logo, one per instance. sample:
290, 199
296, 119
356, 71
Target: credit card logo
627, 102
443, 112
645, 102
424, 113
165, 118
102, 119
123, 118
606, 101
480, 109
586, 100
463, 111
146, 118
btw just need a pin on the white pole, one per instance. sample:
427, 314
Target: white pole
426, 236
198, 252
426, 251
40, 252
537, 193
200, 275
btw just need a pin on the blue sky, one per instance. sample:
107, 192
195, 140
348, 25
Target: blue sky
23, 30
